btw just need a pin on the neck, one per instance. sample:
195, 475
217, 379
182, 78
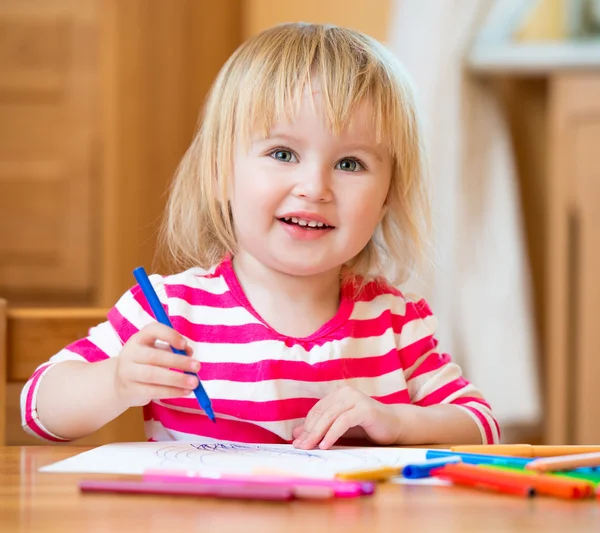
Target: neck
282, 298
309, 289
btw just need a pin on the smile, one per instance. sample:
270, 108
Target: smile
312, 224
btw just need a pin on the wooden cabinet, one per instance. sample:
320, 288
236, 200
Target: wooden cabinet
573, 259
98, 101
554, 114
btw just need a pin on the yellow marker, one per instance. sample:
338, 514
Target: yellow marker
374, 474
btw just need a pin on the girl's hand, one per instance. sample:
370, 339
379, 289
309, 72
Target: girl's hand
342, 410
143, 370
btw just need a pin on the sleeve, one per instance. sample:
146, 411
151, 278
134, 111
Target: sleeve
130, 314
432, 377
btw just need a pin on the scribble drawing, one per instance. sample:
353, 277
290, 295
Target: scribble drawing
230, 455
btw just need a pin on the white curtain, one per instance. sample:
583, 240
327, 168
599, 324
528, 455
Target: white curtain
480, 286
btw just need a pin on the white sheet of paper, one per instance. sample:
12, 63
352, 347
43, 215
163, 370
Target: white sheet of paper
225, 457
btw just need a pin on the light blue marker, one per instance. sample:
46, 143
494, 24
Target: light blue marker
478, 459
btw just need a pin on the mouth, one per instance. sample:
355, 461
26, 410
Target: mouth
306, 223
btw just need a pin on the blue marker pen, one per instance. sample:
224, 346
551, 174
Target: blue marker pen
161, 316
419, 470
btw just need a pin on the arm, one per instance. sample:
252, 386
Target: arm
436, 424
73, 388
76, 398
95, 379
445, 407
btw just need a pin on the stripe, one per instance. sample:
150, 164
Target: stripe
200, 426
471, 399
432, 362
273, 369
365, 310
33, 382
87, 349
268, 411
139, 298
371, 290
124, 328
411, 333
210, 316
411, 356
489, 437
444, 393
200, 296
278, 349
30, 418
106, 339
211, 281
284, 389
397, 397
249, 333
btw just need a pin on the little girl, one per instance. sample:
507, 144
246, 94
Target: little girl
297, 209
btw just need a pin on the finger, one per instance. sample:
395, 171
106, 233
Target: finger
154, 331
297, 431
164, 359
158, 392
156, 375
313, 434
341, 425
161, 345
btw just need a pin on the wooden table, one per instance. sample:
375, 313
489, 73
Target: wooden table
36, 501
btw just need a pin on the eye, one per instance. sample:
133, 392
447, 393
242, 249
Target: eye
285, 156
350, 165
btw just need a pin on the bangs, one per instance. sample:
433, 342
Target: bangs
277, 67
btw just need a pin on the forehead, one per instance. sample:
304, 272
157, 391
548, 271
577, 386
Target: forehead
363, 111
313, 112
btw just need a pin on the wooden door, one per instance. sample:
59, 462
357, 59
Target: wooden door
48, 131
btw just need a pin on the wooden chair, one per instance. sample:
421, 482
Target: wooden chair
28, 337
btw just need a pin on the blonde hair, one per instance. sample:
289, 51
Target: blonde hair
261, 83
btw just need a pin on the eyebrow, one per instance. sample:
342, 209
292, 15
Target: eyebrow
366, 148
282, 137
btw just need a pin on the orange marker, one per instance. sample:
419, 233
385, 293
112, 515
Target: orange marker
478, 478
565, 462
541, 483
524, 450
551, 485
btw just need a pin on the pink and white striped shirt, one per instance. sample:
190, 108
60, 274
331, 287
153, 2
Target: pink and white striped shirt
262, 383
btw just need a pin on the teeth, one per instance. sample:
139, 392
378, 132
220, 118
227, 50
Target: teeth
303, 222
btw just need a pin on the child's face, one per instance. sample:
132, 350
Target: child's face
304, 200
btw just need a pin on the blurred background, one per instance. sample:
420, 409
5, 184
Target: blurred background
100, 98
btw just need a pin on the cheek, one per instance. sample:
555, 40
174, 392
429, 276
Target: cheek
369, 205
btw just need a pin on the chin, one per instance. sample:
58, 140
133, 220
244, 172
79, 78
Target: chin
303, 269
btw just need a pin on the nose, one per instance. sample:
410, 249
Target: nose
314, 184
